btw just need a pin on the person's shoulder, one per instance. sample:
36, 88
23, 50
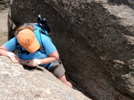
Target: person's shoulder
13, 39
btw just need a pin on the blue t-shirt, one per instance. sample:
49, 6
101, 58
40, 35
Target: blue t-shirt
48, 46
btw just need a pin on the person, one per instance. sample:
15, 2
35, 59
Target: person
32, 52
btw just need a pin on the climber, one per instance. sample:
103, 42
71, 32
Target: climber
34, 53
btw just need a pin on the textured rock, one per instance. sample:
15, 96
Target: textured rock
4, 4
17, 83
94, 38
3, 27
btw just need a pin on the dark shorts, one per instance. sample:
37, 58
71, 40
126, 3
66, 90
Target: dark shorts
57, 69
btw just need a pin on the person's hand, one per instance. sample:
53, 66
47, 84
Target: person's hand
14, 58
34, 62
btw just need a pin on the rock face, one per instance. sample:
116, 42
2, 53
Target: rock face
4, 4
18, 83
94, 38
3, 27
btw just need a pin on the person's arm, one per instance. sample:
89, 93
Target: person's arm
51, 58
50, 50
4, 52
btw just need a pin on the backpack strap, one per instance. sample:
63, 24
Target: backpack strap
38, 31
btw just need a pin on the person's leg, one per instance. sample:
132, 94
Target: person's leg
58, 70
64, 80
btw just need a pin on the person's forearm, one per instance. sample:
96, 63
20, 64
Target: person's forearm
7, 53
14, 58
48, 60
3, 52
51, 58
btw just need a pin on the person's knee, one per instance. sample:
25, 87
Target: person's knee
62, 78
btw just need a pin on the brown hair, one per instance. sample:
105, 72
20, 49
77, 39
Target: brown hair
24, 27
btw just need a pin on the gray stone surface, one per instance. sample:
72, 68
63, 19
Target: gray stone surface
17, 83
95, 39
4, 4
3, 26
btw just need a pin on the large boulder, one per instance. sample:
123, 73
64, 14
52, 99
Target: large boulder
19, 83
94, 38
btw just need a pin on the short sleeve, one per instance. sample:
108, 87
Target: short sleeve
11, 44
48, 44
